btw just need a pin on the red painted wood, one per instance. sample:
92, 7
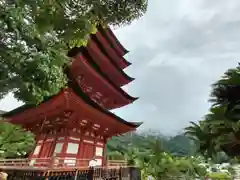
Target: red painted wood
64, 148
51, 108
116, 99
44, 150
87, 151
118, 47
106, 65
83, 110
118, 59
115, 127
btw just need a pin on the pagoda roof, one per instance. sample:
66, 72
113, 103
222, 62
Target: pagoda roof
23, 108
120, 90
94, 38
76, 50
109, 51
113, 40
105, 80
76, 90
110, 32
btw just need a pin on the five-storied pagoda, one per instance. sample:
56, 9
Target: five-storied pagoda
77, 123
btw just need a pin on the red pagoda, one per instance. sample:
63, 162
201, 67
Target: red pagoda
76, 123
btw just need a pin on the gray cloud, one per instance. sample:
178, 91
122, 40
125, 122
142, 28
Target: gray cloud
178, 50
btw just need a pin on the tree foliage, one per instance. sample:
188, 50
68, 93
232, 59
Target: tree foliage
226, 90
151, 154
178, 145
220, 128
14, 141
35, 36
161, 165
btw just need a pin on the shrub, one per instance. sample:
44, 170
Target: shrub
219, 176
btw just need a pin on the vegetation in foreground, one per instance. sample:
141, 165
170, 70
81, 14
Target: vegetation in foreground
15, 142
162, 158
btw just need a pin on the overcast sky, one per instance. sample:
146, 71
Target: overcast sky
178, 49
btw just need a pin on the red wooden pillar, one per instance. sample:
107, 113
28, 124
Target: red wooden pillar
105, 159
35, 151
79, 155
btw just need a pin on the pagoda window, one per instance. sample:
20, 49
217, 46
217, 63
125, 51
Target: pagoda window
99, 151
58, 148
37, 150
72, 148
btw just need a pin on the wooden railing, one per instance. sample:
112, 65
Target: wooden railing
121, 173
57, 163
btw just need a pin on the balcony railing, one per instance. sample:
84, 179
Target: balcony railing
122, 173
66, 169
56, 163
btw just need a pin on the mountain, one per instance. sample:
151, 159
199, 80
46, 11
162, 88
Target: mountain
178, 145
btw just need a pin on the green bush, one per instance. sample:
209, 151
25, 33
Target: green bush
219, 176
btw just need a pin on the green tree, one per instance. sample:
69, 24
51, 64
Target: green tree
14, 141
148, 152
199, 135
179, 145
221, 126
162, 165
36, 35
225, 91
212, 133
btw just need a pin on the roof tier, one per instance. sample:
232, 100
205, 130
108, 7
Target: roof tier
105, 53
114, 40
109, 66
96, 84
108, 49
106, 65
71, 108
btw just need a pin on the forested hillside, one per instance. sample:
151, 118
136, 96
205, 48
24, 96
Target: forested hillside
178, 145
